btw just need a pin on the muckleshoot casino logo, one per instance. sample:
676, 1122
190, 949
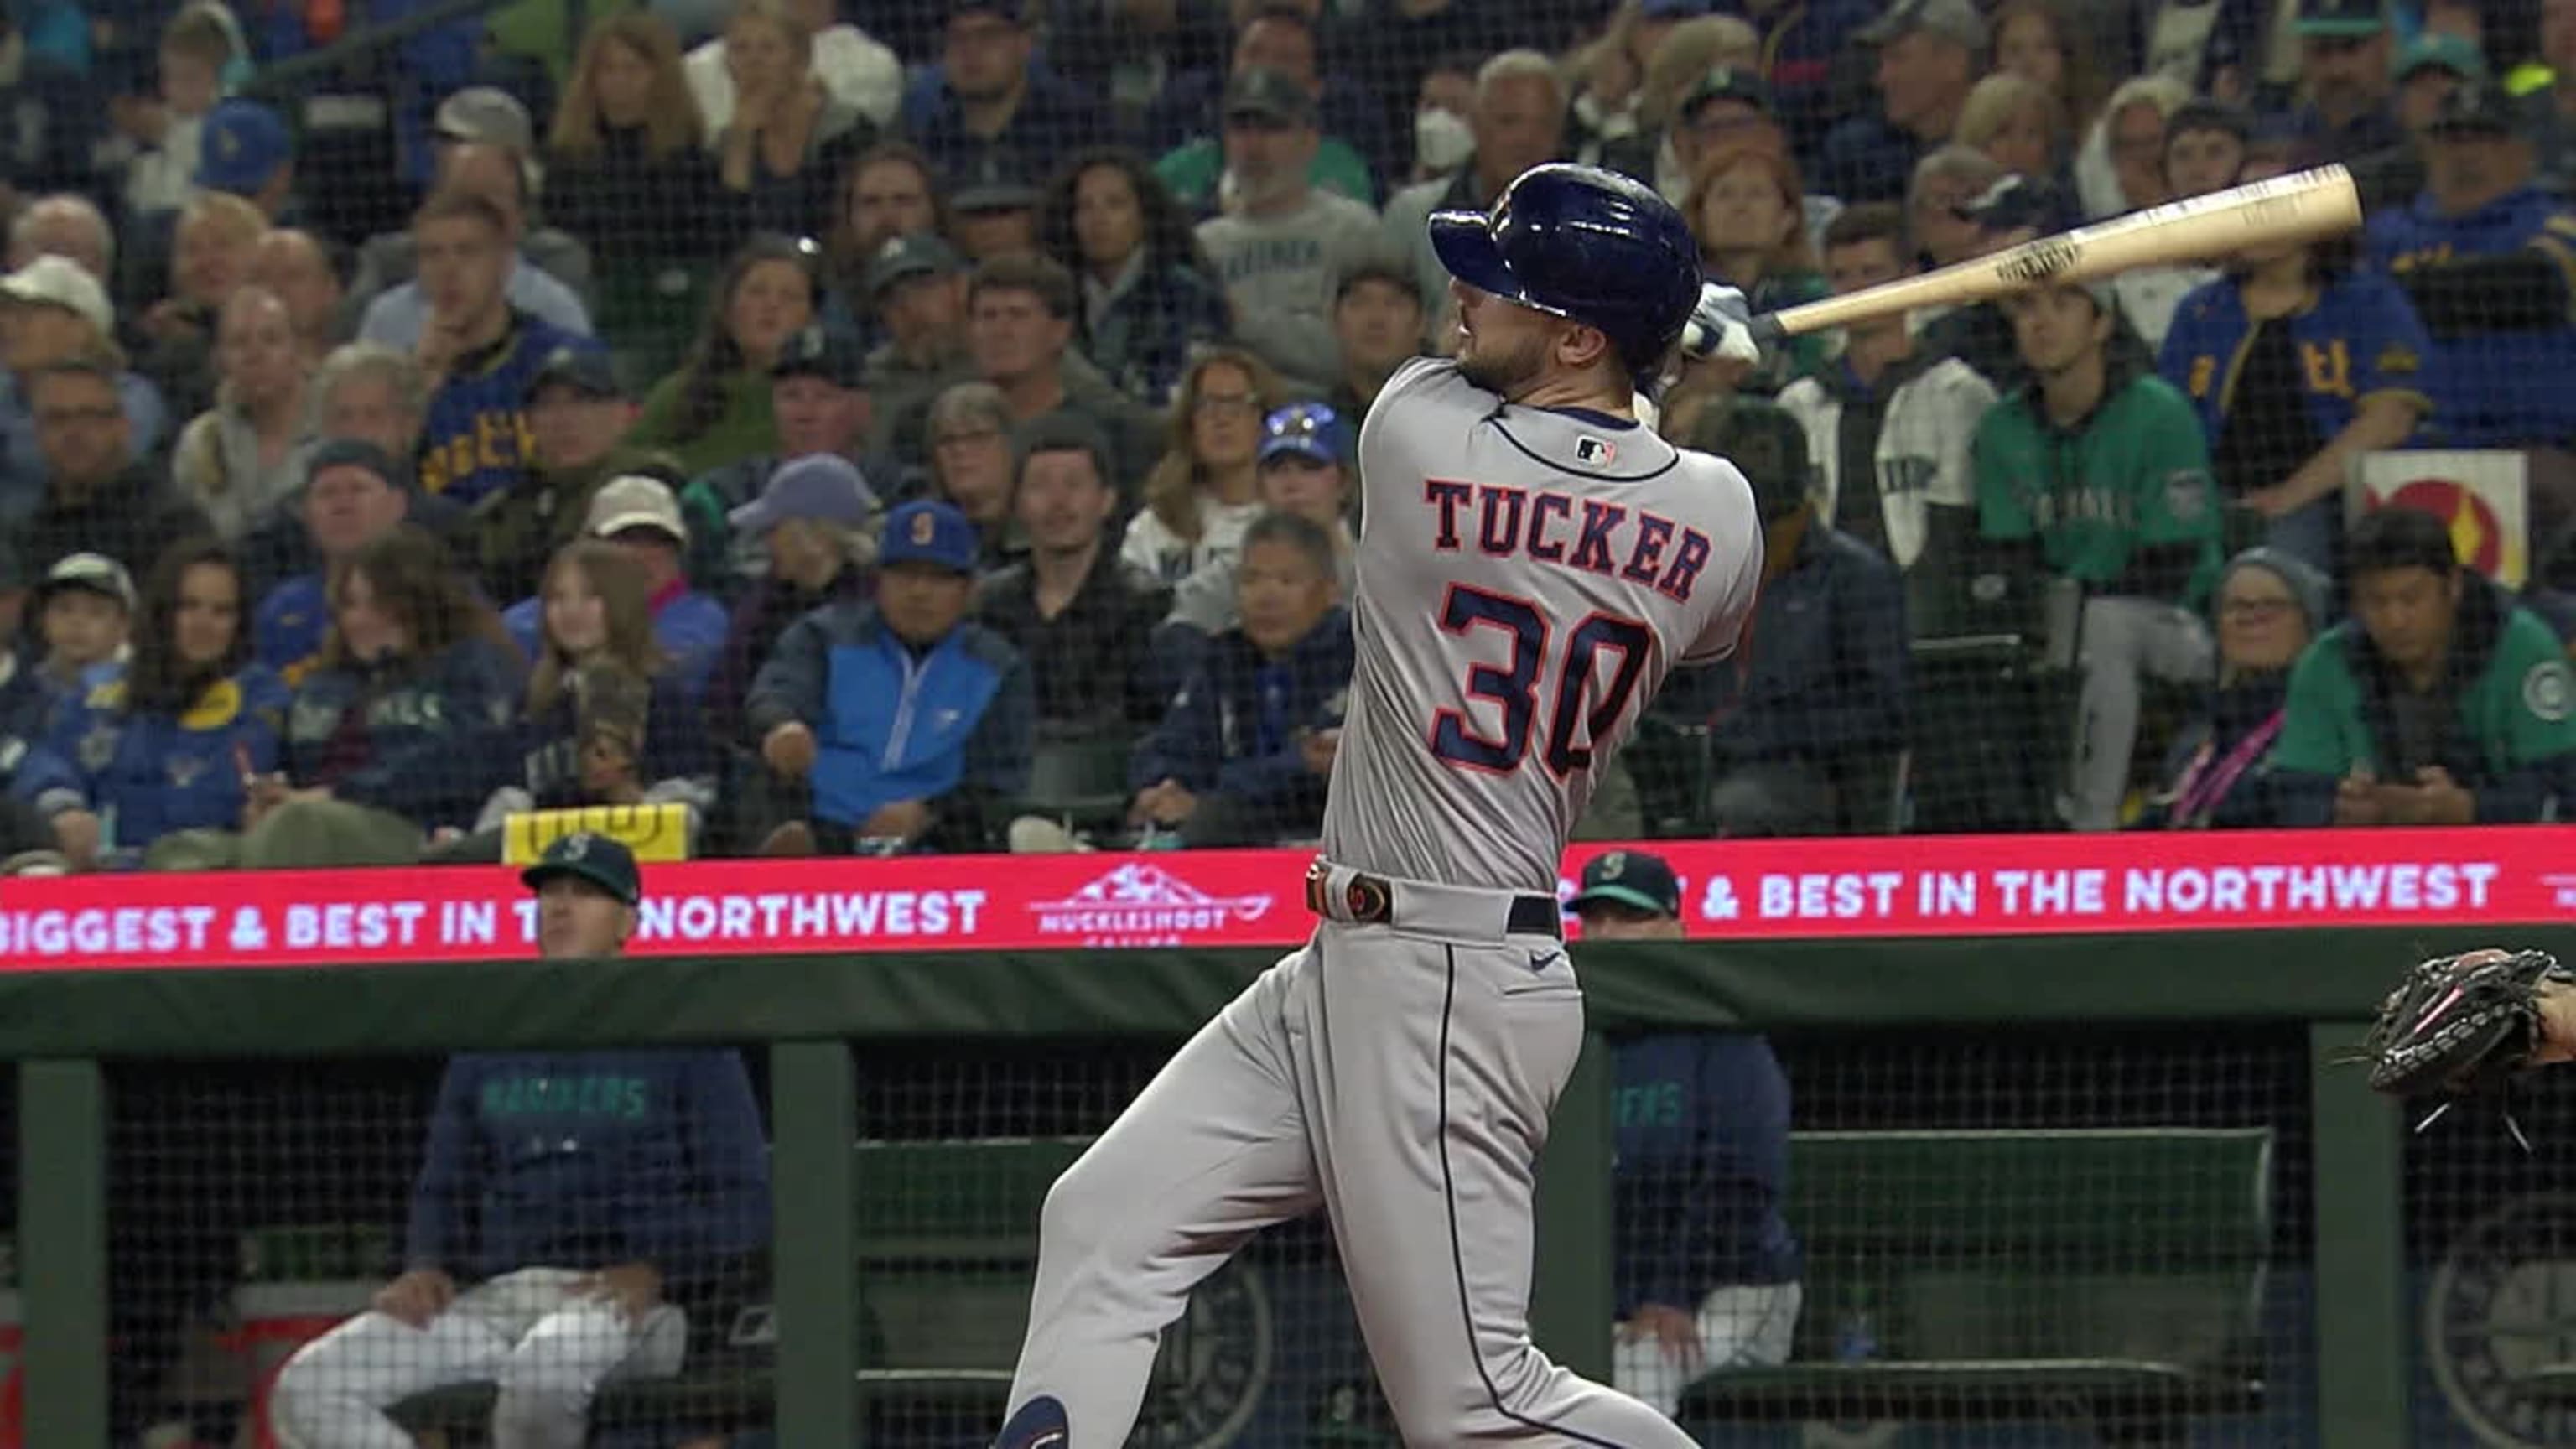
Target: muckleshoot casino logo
2500, 1324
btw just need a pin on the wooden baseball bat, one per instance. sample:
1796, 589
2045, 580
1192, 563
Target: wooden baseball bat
2302, 206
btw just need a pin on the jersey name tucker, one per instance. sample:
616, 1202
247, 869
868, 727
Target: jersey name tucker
1549, 527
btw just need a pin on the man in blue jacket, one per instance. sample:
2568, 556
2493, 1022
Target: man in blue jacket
909, 721
1245, 751
570, 1207
1708, 1270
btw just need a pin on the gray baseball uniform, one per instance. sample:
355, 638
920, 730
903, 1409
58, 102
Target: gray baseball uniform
1526, 579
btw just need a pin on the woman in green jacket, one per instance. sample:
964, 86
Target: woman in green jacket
715, 409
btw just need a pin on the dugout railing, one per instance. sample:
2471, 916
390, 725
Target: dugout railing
2333, 1157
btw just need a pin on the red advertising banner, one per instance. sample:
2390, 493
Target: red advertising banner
1920, 886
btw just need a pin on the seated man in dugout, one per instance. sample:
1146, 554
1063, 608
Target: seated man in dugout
574, 1212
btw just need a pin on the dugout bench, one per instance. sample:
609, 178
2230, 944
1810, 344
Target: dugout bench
2110, 1280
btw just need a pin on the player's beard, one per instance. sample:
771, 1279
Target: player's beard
1506, 374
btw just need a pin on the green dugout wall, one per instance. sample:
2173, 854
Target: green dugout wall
58, 1028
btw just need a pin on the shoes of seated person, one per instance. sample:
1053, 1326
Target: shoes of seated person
791, 840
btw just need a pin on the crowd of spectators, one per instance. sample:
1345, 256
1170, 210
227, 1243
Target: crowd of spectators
937, 428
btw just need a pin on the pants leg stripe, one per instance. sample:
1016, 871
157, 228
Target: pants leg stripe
1457, 1252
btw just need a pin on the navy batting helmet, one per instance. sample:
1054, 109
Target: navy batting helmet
1586, 244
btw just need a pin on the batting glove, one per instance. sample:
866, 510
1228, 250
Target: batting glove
1721, 326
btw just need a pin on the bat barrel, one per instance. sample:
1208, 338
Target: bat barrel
2305, 206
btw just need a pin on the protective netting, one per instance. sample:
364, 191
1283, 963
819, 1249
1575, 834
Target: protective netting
600, 270
1982, 1238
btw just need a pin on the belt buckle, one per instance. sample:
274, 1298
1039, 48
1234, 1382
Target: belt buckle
1366, 901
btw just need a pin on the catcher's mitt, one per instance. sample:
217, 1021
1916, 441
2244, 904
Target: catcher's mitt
2459, 1026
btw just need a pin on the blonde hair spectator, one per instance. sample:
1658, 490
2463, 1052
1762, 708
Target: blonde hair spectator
2015, 120
2122, 165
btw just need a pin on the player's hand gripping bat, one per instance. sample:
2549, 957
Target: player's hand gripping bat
2303, 206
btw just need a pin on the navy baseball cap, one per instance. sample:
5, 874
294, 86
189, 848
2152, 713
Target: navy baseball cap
1306, 430
602, 860
241, 146
819, 352
2477, 108
586, 370
821, 487
1631, 878
927, 530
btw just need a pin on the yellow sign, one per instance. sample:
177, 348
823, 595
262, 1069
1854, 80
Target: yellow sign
656, 833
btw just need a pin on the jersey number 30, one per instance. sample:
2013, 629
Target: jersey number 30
1570, 727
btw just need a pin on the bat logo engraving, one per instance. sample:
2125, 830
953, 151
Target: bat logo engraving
2036, 261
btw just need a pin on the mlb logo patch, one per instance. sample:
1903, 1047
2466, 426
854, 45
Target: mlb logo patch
1594, 452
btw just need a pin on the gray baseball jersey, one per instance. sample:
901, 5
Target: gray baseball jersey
1526, 579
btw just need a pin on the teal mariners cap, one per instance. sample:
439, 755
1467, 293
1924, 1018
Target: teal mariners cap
598, 859
1630, 878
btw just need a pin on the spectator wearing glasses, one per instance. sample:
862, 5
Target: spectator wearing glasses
2441, 701
1206, 490
973, 466
53, 311
100, 495
2218, 775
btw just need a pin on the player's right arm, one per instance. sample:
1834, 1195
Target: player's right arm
442, 1199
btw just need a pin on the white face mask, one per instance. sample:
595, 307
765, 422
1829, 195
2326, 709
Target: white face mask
1441, 140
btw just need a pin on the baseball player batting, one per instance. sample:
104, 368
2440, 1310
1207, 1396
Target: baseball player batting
1531, 563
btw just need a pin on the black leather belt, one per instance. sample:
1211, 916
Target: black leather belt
1370, 901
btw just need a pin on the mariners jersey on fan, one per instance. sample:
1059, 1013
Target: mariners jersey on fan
1526, 579
2361, 338
2492, 389
476, 439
